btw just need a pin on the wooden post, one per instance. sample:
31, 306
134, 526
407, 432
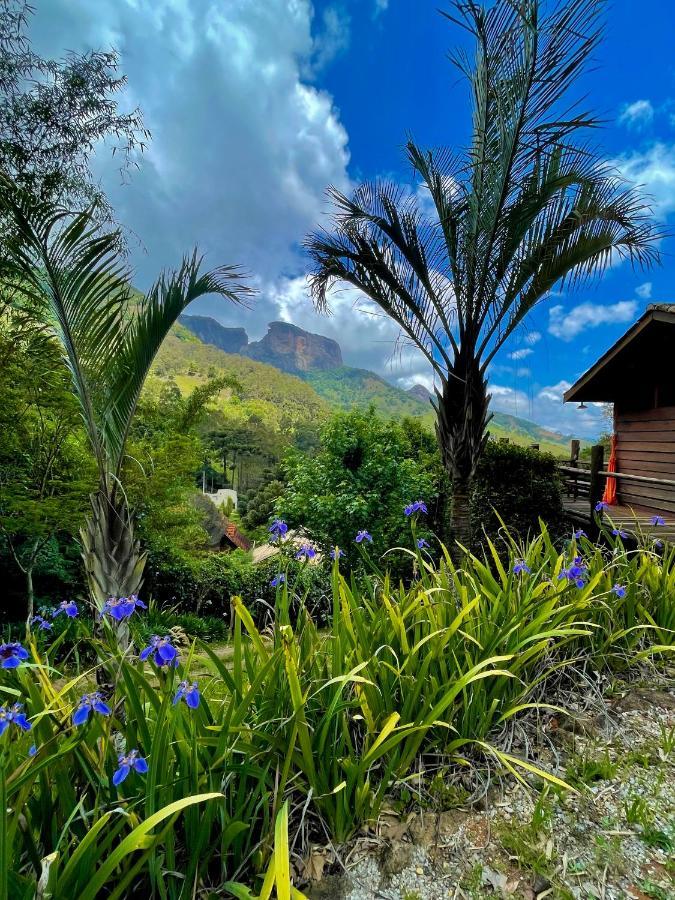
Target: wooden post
596, 487
573, 482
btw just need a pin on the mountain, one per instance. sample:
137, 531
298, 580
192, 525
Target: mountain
419, 392
285, 346
295, 350
312, 363
209, 331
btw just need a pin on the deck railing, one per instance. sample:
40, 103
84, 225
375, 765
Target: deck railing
584, 482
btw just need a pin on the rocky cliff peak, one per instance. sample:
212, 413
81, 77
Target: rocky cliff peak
419, 392
208, 330
293, 349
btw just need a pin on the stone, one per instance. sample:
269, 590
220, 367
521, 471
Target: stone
292, 349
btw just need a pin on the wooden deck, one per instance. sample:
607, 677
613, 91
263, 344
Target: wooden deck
627, 518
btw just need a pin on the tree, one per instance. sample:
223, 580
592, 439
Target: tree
46, 471
527, 206
366, 472
109, 341
53, 114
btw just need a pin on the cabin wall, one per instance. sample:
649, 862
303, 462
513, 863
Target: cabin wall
646, 446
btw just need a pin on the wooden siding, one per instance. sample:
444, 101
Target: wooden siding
646, 446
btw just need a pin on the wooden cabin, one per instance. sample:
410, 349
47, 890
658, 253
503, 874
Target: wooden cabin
637, 375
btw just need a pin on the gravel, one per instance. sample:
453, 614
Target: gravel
614, 839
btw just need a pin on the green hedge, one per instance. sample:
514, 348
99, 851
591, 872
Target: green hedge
521, 486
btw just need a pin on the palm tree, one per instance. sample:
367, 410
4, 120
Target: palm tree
494, 227
109, 337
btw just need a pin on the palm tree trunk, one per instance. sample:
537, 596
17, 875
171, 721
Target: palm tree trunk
462, 418
113, 560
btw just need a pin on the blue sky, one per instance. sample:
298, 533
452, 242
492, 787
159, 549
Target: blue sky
256, 105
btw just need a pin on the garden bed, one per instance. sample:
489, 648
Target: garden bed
614, 839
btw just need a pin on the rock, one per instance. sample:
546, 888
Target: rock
294, 350
396, 855
419, 392
208, 330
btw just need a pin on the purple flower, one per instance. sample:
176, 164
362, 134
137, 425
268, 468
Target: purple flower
422, 544
336, 553
32, 750
189, 693
12, 655
579, 533
619, 532
162, 650
277, 529
657, 520
41, 623
363, 536
88, 703
521, 567
127, 762
12, 715
119, 608
417, 506
601, 506
69, 607
619, 590
306, 552
278, 580
576, 573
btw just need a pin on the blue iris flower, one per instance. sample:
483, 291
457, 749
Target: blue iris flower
657, 520
88, 703
162, 651
189, 693
417, 506
277, 530
41, 623
306, 552
521, 567
119, 608
579, 533
422, 544
619, 532
619, 590
363, 536
13, 715
127, 762
600, 506
576, 573
278, 580
336, 553
12, 655
32, 750
69, 607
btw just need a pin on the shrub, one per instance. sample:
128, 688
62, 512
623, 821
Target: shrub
519, 486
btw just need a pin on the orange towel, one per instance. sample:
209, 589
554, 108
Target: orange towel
609, 495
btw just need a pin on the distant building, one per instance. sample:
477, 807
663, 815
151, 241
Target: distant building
221, 496
637, 375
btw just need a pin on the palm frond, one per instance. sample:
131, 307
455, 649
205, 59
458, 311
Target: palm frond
66, 262
143, 335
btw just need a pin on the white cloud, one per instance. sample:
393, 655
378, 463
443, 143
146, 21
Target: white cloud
644, 291
331, 40
567, 325
654, 171
637, 115
545, 406
381, 6
243, 145
521, 354
532, 338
